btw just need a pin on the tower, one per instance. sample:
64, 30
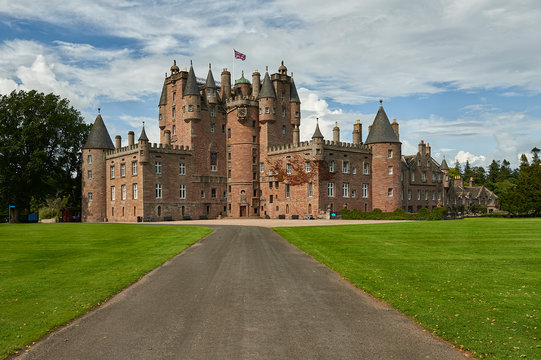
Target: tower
94, 172
386, 163
191, 99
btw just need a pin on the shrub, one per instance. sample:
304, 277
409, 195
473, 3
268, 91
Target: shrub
438, 213
423, 214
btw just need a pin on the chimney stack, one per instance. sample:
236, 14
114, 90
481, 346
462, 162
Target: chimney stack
118, 141
131, 136
167, 137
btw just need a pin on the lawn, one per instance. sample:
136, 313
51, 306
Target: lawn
52, 273
474, 282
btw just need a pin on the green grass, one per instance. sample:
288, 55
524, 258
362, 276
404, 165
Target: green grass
474, 282
51, 273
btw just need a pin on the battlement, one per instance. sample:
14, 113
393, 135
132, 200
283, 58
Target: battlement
327, 145
132, 149
241, 100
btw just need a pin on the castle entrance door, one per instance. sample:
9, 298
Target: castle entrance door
242, 211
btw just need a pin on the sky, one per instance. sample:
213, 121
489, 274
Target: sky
462, 75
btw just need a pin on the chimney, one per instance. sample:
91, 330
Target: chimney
131, 136
422, 147
357, 132
118, 141
256, 83
167, 137
395, 128
296, 135
428, 149
471, 181
226, 84
336, 133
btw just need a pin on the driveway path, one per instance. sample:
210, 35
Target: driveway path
242, 293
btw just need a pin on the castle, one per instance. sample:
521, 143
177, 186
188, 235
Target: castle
235, 151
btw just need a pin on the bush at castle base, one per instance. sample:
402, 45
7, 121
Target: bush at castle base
398, 214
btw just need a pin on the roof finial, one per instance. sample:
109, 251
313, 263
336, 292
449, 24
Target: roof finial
99, 109
267, 68
209, 66
143, 124
380, 102
174, 62
317, 120
191, 62
166, 74
282, 62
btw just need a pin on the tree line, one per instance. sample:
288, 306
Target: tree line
518, 190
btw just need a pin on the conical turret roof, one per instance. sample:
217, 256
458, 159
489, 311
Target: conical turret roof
163, 97
143, 136
444, 165
210, 80
267, 90
381, 131
191, 85
293, 95
317, 133
98, 138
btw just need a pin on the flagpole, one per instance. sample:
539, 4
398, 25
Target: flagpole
234, 66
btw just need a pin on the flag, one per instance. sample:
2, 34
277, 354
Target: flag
239, 55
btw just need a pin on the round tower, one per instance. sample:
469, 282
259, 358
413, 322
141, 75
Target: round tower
226, 84
266, 98
210, 88
191, 98
94, 172
386, 164
256, 83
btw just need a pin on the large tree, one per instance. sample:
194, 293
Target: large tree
41, 137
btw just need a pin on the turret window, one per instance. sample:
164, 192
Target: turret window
190, 108
173, 112
89, 159
389, 153
89, 174
89, 196
307, 166
296, 114
198, 108
288, 169
390, 170
310, 190
287, 191
390, 192
212, 114
267, 110
283, 112
174, 95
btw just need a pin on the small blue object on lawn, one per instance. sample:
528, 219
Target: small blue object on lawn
9, 211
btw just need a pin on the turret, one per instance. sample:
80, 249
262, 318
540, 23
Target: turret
256, 83
226, 84
191, 98
357, 133
317, 142
266, 99
336, 133
94, 172
445, 168
143, 146
386, 163
242, 86
294, 103
210, 88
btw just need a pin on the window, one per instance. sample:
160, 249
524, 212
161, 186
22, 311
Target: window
413, 177
223, 129
409, 194
213, 161
353, 193
433, 195
439, 178
389, 153
174, 95
190, 108
330, 189
354, 171
158, 191
423, 176
211, 128
182, 169
283, 127
113, 193
228, 173
307, 166
365, 191
112, 171
390, 192
89, 160
390, 170
202, 194
270, 199
366, 168
89, 196
419, 162
310, 190
123, 169
433, 177
267, 110
439, 196
174, 112
284, 115
174, 130
253, 139
158, 167
212, 112
345, 167
213, 193
134, 191
418, 194
426, 195
270, 172
134, 168
288, 169
89, 174
261, 167
297, 114
287, 190
345, 190
123, 192
331, 166
183, 191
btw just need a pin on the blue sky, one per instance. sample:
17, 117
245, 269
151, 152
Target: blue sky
462, 75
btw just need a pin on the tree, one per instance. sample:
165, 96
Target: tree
41, 137
468, 173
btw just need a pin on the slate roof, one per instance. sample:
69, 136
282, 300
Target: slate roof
293, 95
381, 131
143, 135
163, 97
98, 138
317, 133
191, 85
444, 165
210, 80
267, 90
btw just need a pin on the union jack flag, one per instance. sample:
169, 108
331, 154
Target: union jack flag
239, 55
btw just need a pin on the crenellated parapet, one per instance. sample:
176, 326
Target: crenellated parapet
163, 148
334, 145
327, 145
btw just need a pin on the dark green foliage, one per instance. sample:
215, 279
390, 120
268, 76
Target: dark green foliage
398, 214
41, 137
438, 213
423, 214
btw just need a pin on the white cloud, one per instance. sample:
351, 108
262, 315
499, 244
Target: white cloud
463, 156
